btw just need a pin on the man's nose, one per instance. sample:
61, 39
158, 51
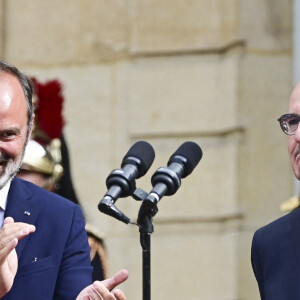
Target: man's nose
297, 134
3, 150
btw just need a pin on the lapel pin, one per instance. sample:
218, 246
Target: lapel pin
27, 213
35, 259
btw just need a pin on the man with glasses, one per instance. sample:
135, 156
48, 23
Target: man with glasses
276, 247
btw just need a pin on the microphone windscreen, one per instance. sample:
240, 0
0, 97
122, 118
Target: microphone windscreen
140, 154
189, 155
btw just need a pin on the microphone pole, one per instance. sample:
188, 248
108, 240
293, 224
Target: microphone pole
165, 181
145, 222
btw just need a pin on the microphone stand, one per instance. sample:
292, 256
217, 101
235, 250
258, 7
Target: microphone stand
165, 181
145, 240
145, 221
147, 211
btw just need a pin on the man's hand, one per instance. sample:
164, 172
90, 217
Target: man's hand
102, 290
10, 234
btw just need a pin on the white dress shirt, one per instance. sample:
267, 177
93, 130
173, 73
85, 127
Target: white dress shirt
3, 201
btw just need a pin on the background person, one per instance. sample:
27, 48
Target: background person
46, 161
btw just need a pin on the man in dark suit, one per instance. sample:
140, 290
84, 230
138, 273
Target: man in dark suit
276, 247
44, 253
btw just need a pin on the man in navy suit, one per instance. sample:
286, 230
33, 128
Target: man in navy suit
276, 247
44, 252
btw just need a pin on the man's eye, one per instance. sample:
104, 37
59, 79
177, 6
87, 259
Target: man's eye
293, 121
8, 134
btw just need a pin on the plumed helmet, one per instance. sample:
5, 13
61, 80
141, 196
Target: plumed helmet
43, 151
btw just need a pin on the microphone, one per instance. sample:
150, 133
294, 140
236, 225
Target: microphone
121, 182
167, 180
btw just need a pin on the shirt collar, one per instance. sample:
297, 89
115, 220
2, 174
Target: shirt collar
3, 195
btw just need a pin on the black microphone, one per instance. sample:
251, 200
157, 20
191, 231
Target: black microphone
121, 182
167, 180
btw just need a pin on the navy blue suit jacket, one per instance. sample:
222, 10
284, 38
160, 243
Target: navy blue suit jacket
276, 258
54, 261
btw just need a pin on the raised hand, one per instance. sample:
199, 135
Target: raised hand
10, 234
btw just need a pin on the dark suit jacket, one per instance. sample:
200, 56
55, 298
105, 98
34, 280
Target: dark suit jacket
54, 262
276, 258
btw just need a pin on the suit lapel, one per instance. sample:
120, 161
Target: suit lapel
20, 207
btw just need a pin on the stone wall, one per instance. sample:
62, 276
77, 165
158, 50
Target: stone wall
217, 72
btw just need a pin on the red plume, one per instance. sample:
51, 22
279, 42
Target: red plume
49, 106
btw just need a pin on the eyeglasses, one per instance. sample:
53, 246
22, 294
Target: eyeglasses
289, 123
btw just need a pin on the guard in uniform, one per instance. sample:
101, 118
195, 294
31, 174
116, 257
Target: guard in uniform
46, 160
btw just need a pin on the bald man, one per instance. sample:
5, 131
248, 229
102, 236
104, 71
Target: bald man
276, 247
